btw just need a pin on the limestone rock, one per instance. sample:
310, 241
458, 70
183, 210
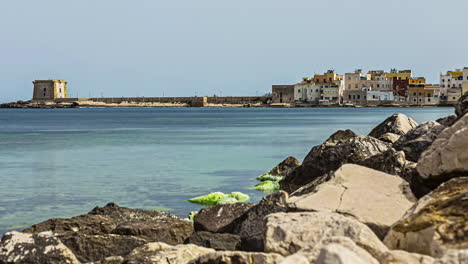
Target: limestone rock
16, 247
398, 124
288, 233
454, 257
161, 253
220, 218
337, 254
218, 241
418, 139
324, 159
280, 170
436, 224
113, 260
448, 155
389, 137
374, 198
461, 108
251, 228
447, 121
404, 257
92, 248
237, 257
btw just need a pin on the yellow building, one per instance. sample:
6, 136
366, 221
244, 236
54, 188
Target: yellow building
418, 80
49, 89
399, 75
465, 81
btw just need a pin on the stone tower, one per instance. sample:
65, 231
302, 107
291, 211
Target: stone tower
49, 89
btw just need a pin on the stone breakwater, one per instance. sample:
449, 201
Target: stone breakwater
397, 195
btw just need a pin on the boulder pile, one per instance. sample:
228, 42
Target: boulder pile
397, 195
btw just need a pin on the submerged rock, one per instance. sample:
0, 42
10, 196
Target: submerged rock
220, 218
218, 241
436, 224
374, 198
280, 170
398, 124
220, 198
330, 156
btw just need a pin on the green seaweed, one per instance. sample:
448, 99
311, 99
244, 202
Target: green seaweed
220, 198
192, 215
13, 227
267, 186
269, 177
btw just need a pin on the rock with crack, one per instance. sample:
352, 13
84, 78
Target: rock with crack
436, 224
288, 233
329, 157
372, 197
161, 253
398, 124
237, 257
220, 218
218, 241
16, 247
448, 155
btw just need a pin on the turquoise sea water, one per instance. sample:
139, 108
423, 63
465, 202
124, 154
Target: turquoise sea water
63, 162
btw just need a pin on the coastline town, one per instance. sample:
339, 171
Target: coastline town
353, 89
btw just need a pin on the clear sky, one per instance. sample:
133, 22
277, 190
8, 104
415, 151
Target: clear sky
205, 47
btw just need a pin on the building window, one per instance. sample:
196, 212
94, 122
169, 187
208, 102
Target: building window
349, 96
356, 86
349, 86
358, 96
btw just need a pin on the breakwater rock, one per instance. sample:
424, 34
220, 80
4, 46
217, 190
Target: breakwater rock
397, 195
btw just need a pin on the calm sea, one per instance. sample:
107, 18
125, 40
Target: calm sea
63, 162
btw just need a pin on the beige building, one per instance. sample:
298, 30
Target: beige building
465, 81
282, 94
49, 89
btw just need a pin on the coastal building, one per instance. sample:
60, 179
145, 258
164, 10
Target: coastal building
465, 81
423, 94
399, 74
367, 96
282, 94
451, 85
324, 88
357, 80
49, 89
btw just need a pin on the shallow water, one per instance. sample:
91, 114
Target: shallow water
63, 162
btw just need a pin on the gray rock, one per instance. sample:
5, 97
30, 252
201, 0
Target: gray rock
389, 137
237, 257
436, 224
398, 124
447, 121
218, 241
16, 247
390, 161
220, 218
461, 108
280, 170
288, 233
418, 139
329, 157
448, 155
374, 198
161, 253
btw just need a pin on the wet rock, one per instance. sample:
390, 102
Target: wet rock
436, 224
161, 253
250, 227
374, 198
418, 139
448, 155
329, 157
389, 138
398, 124
461, 108
220, 218
447, 121
16, 247
237, 257
92, 248
280, 170
288, 233
218, 241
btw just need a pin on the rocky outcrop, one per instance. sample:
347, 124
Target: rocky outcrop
220, 218
374, 198
162, 253
288, 233
390, 161
218, 241
329, 157
398, 124
280, 170
448, 155
16, 247
418, 139
461, 108
436, 224
447, 121
237, 257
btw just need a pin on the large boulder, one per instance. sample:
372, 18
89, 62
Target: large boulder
251, 229
161, 253
113, 219
220, 218
461, 108
218, 241
329, 157
374, 198
16, 247
288, 233
436, 224
398, 124
418, 139
280, 170
390, 161
237, 257
448, 155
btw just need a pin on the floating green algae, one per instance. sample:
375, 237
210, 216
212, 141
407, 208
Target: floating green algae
267, 186
269, 177
220, 198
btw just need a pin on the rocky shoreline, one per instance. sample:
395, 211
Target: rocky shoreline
397, 195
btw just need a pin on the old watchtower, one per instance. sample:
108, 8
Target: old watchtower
49, 89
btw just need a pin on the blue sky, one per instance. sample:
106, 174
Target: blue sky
206, 47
